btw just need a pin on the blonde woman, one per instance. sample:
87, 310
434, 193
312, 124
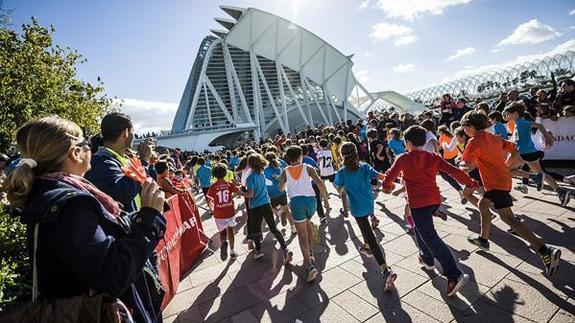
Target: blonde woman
82, 244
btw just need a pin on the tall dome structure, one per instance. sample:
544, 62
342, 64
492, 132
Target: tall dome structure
259, 76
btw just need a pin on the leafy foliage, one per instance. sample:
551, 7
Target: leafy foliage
38, 78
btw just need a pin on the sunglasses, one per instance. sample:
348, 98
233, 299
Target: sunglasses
85, 142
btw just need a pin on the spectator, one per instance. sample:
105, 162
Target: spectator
501, 103
81, 244
106, 172
566, 96
447, 107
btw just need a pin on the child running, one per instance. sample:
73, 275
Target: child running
278, 198
204, 174
420, 168
221, 201
296, 179
260, 207
355, 178
485, 151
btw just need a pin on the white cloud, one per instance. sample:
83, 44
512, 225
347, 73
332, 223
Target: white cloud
403, 68
562, 48
495, 50
367, 54
363, 5
362, 76
460, 52
572, 12
412, 9
148, 116
531, 32
406, 40
402, 33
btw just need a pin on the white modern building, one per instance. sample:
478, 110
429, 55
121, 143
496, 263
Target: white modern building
259, 76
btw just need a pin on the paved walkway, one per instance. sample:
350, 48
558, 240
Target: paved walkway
507, 284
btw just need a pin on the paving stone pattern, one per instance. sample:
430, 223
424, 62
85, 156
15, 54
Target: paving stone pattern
507, 283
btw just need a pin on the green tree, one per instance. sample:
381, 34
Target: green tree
38, 78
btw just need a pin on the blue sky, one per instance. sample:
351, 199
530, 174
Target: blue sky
144, 50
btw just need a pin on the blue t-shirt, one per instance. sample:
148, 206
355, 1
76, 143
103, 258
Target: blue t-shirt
233, 162
257, 183
523, 137
397, 146
204, 173
307, 160
358, 188
272, 183
500, 130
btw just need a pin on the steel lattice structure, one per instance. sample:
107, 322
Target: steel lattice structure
266, 74
520, 77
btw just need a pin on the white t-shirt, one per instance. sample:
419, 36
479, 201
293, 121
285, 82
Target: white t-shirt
325, 162
429, 136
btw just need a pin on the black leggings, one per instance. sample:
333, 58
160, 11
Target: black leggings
255, 217
369, 238
319, 206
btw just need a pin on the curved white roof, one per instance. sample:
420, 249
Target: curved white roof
280, 40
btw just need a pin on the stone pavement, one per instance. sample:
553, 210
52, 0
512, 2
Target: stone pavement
507, 284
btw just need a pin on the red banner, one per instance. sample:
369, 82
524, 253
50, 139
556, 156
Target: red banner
183, 243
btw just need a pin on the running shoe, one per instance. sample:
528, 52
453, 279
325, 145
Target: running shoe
250, 244
283, 219
258, 254
374, 222
512, 231
364, 250
454, 285
233, 255
224, 250
522, 188
288, 256
569, 179
551, 259
539, 181
311, 274
389, 277
564, 196
343, 212
323, 220
463, 199
480, 242
440, 214
426, 266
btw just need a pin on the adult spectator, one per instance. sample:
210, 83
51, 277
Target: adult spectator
566, 95
81, 246
106, 172
500, 104
447, 106
461, 108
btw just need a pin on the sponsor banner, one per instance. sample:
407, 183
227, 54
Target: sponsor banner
183, 243
563, 130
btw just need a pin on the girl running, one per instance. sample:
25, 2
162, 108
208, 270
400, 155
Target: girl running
355, 179
296, 180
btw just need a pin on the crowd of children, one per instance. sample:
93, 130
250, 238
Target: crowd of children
285, 178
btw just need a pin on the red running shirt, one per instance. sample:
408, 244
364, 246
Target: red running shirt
420, 168
221, 195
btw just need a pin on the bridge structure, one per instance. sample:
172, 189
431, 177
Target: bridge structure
538, 73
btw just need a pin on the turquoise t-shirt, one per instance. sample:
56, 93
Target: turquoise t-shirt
272, 183
358, 188
204, 173
397, 146
500, 130
257, 183
523, 137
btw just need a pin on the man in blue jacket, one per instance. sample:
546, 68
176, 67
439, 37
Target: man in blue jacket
106, 172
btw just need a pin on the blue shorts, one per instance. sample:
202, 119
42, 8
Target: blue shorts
302, 208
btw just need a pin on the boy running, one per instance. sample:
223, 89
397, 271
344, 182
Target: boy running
420, 168
485, 151
221, 201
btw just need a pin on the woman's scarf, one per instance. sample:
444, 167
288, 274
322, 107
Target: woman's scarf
84, 185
